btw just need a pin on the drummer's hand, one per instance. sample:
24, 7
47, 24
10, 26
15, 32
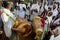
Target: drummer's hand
15, 29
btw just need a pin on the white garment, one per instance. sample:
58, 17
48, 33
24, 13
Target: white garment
22, 12
49, 19
58, 28
17, 4
27, 12
46, 7
57, 21
28, 5
8, 22
21, 6
41, 10
52, 37
55, 12
55, 38
16, 12
46, 25
34, 6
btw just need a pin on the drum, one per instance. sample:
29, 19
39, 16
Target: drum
24, 26
37, 27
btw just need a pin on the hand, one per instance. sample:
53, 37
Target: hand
16, 29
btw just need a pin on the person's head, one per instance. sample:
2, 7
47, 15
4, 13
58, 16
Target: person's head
7, 5
49, 8
17, 8
0, 2
30, 1
54, 6
50, 13
22, 1
35, 1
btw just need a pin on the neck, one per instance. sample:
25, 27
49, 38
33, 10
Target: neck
8, 8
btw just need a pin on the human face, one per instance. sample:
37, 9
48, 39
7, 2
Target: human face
9, 6
0, 3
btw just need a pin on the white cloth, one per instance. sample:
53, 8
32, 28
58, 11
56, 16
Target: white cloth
34, 6
46, 7
52, 37
16, 13
55, 38
58, 28
28, 4
17, 4
8, 22
57, 21
49, 18
22, 12
27, 12
21, 6
55, 12
46, 25
42, 9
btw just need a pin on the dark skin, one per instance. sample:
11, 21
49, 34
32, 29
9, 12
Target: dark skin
15, 29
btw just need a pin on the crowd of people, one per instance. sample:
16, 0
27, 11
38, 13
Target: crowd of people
48, 10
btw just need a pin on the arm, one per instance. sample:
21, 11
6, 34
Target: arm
15, 29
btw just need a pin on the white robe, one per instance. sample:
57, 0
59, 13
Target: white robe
34, 6
8, 22
55, 12
57, 21
22, 12
49, 19
55, 38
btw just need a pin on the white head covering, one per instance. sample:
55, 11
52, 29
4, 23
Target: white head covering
46, 7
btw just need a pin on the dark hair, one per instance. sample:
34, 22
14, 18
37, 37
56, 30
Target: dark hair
5, 4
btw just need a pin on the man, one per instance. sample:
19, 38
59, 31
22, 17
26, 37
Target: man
55, 34
34, 9
55, 11
22, 9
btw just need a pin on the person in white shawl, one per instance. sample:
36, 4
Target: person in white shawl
22, 9
55, 11
35, 9
56, 32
